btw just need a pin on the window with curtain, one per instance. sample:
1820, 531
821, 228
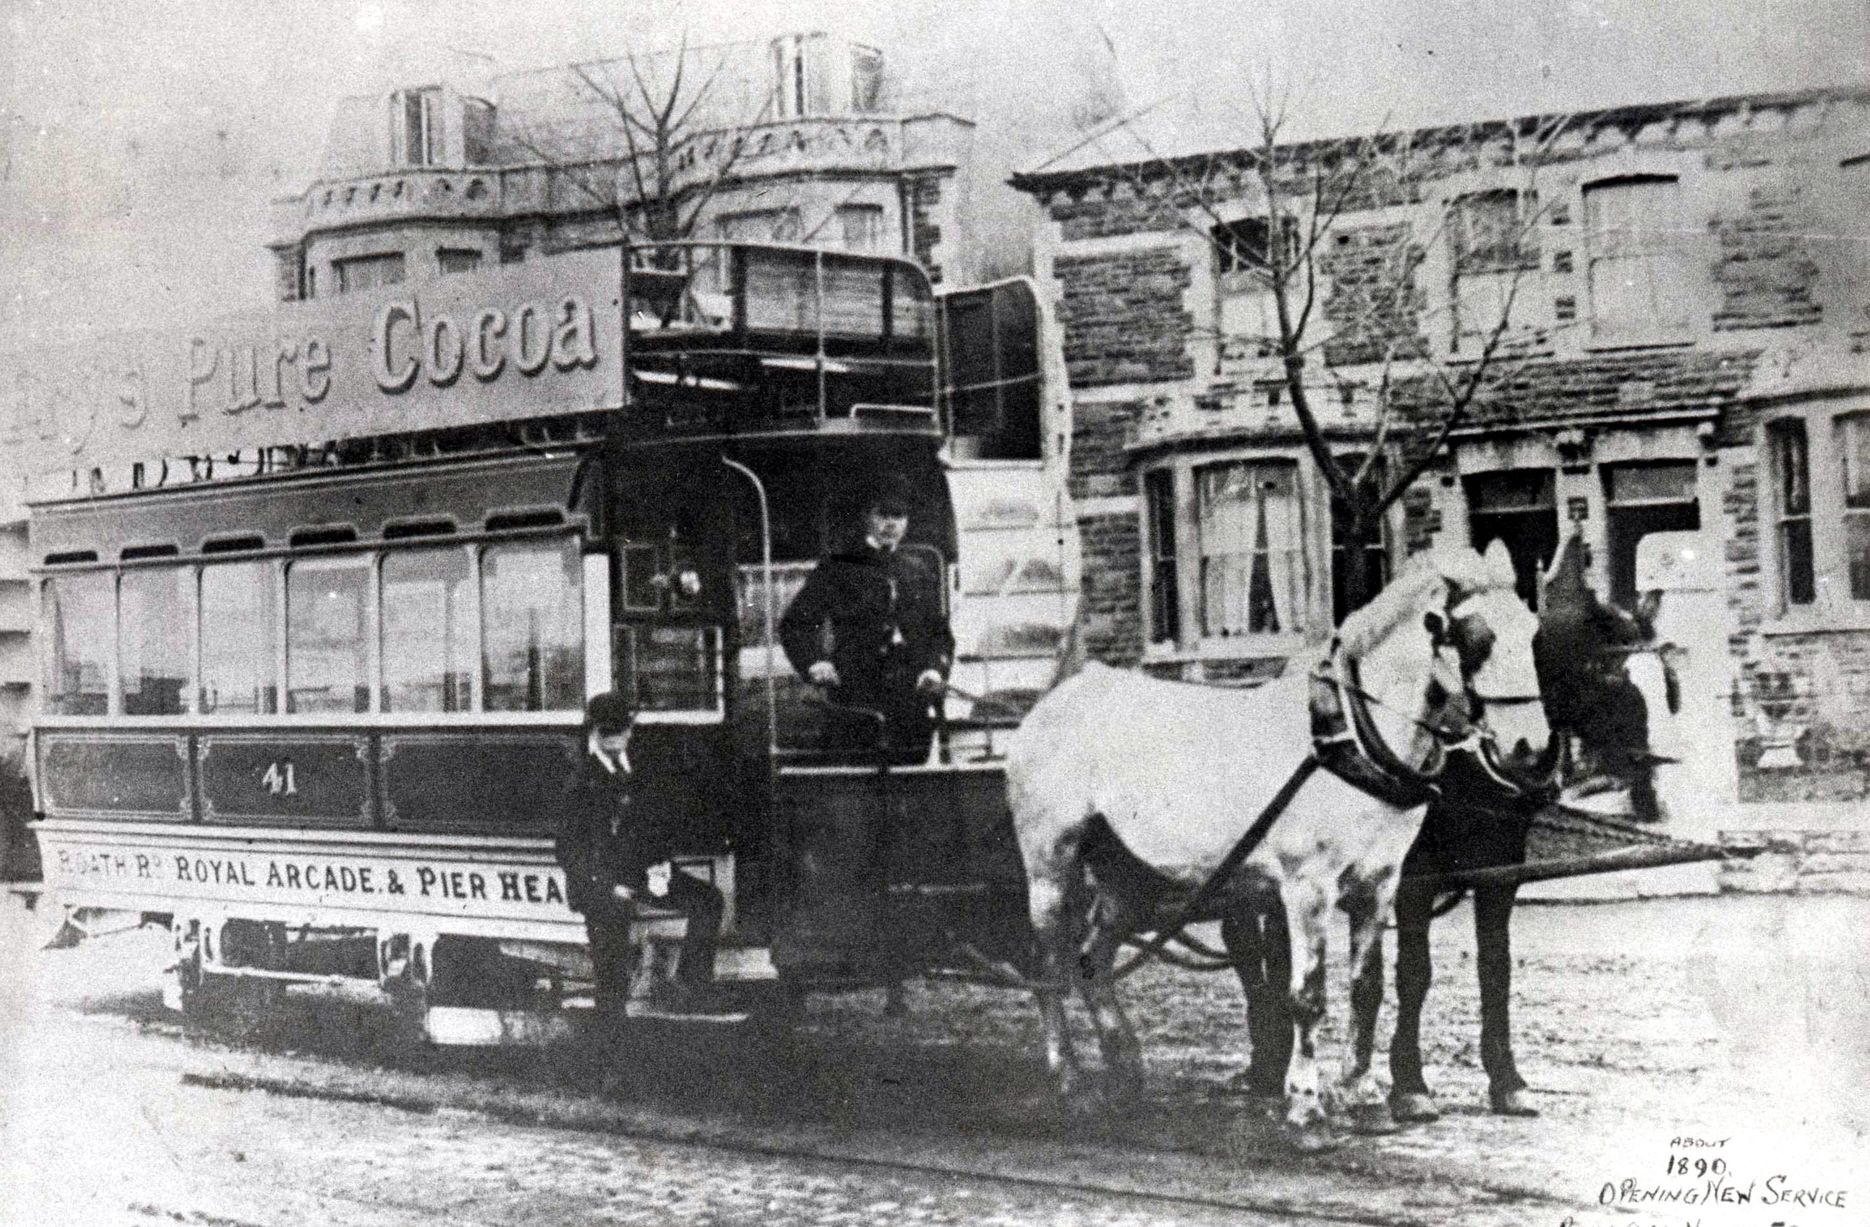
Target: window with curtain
1251, 532
416, 127
1641, 279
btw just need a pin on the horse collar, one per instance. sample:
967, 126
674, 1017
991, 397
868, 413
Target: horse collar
1348, 744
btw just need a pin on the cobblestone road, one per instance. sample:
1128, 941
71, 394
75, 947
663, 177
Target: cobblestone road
1639, 1024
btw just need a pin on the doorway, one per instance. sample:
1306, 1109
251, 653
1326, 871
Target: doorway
1644, 498
1519, 507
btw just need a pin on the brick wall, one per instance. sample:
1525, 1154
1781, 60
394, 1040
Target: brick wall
1369, 305
1799, 732
1123, 317
1099, 433
1110, 616
1766, 274
1100, 216
288, 270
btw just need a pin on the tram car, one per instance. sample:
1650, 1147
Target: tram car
315, 659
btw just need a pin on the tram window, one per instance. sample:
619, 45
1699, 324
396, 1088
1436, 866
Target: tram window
327, 639
152, 642
78, 614
532, 612
428, 644
239, 635
853, 297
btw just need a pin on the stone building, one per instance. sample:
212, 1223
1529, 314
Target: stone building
1693, 397
802, 138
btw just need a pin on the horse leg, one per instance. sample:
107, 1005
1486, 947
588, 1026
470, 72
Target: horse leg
1410, 1099
1052, 924
1366, 907
1111, 923
1307, 914
1493, 913
1257, 940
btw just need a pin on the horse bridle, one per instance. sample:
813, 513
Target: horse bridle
1484, 743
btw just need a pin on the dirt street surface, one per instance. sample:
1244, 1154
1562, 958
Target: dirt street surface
1685, 1054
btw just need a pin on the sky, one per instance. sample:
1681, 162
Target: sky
140, 143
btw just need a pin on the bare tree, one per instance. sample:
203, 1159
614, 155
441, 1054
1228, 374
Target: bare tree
662, 134
1312, 250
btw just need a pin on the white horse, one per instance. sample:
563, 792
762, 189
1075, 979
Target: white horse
1128, 793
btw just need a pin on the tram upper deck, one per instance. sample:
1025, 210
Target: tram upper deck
356, 620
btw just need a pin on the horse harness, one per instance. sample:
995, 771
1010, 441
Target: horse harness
1347, 743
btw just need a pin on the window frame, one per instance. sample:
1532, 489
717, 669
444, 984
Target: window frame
1832, 605
429, 126
1304, 571
275, 564
1647, 328
341, 266
1162, 596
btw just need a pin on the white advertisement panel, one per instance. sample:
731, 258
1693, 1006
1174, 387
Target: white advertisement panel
522, 340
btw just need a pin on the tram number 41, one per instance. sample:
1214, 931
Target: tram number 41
280, 780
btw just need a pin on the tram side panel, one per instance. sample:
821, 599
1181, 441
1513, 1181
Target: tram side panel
894, 873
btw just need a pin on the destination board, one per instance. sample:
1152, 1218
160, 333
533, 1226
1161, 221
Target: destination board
171, 871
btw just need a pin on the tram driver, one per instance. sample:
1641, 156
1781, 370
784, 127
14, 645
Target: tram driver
614, 847
869, 628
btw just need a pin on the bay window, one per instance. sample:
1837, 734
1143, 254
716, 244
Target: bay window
1852, 439
1165, 602
1250, 529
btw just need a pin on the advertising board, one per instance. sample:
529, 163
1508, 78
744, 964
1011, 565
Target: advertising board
523, 340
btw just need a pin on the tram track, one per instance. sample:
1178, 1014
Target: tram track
727, 1141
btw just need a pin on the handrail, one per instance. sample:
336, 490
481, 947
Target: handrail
772, 621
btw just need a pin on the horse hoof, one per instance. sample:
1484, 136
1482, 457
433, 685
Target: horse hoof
1373, 1120
1414, 1107
1512, 1103
1310, 1139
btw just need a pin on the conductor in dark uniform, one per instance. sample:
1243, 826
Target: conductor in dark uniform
869, 627
614, 838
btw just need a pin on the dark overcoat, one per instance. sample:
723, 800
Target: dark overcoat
612, 830
877, 616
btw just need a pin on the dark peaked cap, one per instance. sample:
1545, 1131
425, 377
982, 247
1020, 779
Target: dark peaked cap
890, 494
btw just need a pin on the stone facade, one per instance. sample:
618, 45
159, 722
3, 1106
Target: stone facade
1689, 328
465, 175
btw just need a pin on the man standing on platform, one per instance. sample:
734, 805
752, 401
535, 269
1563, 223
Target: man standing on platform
869, 627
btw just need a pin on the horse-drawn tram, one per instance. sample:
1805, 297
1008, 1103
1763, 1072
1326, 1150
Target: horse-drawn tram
323, 595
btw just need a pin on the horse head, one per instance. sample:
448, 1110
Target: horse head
1493, 635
